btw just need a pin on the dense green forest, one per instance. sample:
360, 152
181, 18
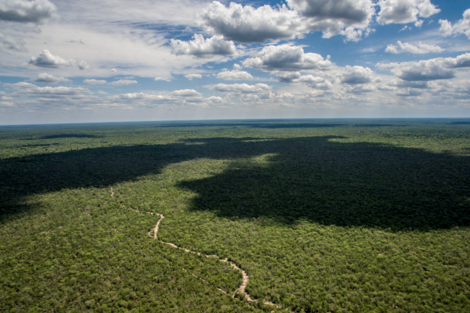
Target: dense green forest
322, 215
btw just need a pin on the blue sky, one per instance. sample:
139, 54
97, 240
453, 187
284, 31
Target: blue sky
113, 60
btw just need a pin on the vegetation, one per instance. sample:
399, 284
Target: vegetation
323, 215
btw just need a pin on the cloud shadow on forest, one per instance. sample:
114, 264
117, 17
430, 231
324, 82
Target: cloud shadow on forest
311, 178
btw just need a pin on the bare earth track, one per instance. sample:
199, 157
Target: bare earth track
245, 277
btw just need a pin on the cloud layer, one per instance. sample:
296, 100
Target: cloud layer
428, 70
26, 11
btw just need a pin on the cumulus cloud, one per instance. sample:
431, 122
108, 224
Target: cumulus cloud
83, 65
461, 61
391, 49
61, 90
49, 79
356, 75
241, 88
27, 11
201, 47
287, 77
94, 82
423, 70
186, 93
191, 76
287, 58
404, 11
350, 11
234, 75
446, 28
295, 77
47, 59
246, 24
461, 27
421, 48
427, 70
123, 82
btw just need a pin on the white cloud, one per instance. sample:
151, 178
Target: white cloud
33, 90
421, 48
295, 77
143, 96
201, 47
20, 85
404, 28
241, 88
247, 24
356, 75
94, 82
461, 61
419, 23
287, 77
47, 59
404, 11
427, 70
186, 93
159, 78
234, 75
61, 90
461, 27
26, 11
446, 28
49, 79
424, 70
191, 76
83, 65
287, 58
123, 82
391, 49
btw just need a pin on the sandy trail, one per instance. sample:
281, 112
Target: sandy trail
245, 277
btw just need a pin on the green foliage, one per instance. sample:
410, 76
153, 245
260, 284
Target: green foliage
324, 216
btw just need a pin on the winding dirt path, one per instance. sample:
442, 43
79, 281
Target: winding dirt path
245, 277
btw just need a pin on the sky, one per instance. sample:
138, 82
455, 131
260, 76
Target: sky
82, 61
